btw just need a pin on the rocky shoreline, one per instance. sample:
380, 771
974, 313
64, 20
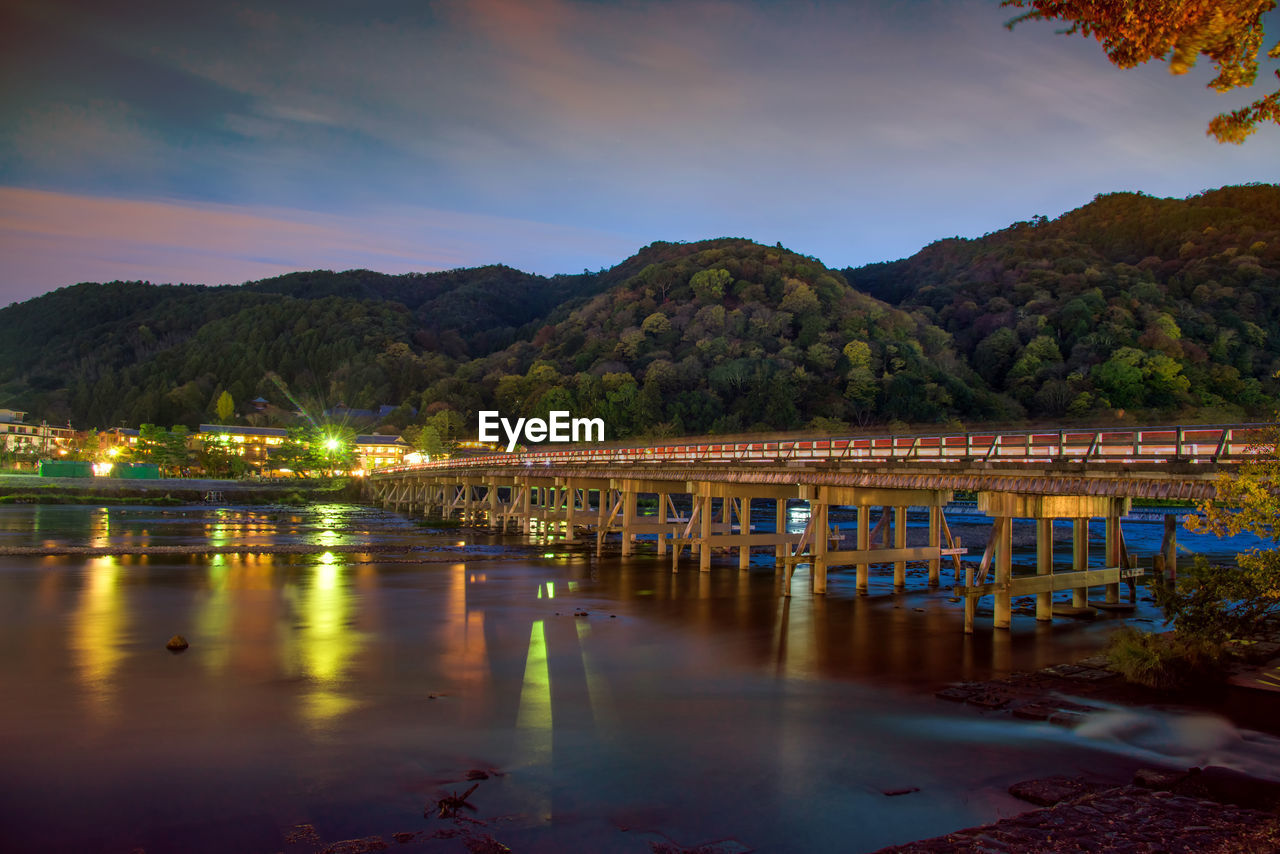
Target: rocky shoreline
1195, 811
1204, 810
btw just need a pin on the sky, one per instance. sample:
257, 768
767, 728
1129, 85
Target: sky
215, 143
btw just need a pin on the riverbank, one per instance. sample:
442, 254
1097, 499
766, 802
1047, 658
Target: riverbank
29, 489
1197, 811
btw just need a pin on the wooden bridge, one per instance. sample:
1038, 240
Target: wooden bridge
1042, 475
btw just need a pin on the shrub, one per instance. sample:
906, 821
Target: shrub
1164, 661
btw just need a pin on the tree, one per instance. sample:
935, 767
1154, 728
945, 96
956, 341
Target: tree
448, 425
165, 448
331, 449
86, 447
1231, 602
291, 454
425, 439
1228, 32
708, 285
225, 407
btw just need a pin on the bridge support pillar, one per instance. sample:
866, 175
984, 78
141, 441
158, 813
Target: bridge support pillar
570, 509
899, 542
864, 543
1112, 596
1004, 573
1080, 559
1044, 566
629, 501
661, 518
744, 527
781, 550
821, 540
935, 542
1169, 548
704, 532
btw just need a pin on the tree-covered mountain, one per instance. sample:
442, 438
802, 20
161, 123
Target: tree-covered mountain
1129, 307
724, 336
1130, 302
131, 352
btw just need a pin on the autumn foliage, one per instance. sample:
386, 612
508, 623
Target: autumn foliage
1229, 33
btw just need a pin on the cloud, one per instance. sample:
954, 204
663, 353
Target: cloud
52, 239
850, 131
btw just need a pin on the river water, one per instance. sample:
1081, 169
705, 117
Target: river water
349, 690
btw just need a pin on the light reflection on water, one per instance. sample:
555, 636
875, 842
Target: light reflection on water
98, 627
347, 691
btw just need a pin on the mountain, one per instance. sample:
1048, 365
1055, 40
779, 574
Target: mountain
1165, 306
129, 352
1128, 307
724, 336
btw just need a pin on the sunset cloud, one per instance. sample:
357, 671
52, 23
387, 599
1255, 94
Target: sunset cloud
51, 239
850, 131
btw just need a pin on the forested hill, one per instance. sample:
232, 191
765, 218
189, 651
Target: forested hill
1129, 302
129, 352
724, 336
1165, 309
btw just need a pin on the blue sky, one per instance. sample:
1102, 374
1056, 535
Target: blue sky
214, 143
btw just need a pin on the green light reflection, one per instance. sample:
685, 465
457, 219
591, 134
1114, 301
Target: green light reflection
533, 720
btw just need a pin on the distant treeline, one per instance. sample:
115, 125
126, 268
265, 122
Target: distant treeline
1131, 306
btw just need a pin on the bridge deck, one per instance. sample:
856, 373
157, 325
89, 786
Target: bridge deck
1065, 474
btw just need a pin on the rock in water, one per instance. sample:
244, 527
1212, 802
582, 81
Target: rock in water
177, 643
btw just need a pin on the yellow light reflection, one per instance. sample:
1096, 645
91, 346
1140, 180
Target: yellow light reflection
326, 644
329, 521
100, 528
96, 634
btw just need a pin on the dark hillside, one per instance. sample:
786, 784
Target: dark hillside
1163, 306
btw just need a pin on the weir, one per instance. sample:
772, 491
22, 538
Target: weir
574, 494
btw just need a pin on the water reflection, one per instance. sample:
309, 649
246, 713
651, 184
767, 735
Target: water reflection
912, 638
325, 643
97, 635
709, 707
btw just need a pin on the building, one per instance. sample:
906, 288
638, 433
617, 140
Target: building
41, 439
116, 440
254, 444
375, 452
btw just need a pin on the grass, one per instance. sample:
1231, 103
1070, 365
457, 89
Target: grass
1166, 661
54, 497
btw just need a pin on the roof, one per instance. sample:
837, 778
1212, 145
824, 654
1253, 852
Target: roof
234, 430
380, 440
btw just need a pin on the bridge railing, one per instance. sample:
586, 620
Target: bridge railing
1217, 444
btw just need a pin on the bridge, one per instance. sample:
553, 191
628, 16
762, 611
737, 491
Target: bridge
1044, 475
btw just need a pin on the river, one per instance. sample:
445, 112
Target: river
350, 690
